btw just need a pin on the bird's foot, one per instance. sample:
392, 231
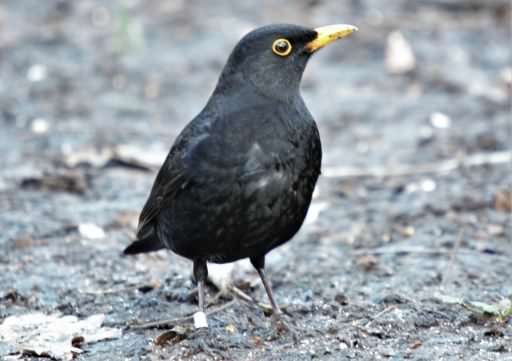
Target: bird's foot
283, 327
198, 342
279, 324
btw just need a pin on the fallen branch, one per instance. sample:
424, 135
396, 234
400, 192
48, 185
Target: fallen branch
418, 306
378, 315
448, 269
417, 250
443, 166
110, 291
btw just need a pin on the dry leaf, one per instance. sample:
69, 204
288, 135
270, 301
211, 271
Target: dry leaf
54, 336
172, 337
415, 344
64, 181
230, 328
407, 231
367, 262
503, 201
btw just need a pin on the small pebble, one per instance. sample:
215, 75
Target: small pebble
91, 231
37, 73
440, 120
39, 126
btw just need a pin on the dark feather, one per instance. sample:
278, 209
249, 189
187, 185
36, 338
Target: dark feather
148, 244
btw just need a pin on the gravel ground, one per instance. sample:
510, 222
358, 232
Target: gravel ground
406, 253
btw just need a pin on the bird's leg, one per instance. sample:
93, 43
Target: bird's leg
279, 323
268, 289
259, 264
200, 342
200, 274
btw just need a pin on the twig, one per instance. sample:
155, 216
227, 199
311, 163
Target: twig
364, 328
110, 291
451, 261
415, 250
161, 323
379, 315
418, 306
442, 166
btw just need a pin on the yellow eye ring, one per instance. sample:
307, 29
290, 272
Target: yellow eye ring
282, 47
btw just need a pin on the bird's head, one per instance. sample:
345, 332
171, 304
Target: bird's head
272, 58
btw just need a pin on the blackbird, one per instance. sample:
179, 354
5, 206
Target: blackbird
238, 180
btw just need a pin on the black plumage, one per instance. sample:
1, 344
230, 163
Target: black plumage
239, 178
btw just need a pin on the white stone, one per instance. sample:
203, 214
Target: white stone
440, 120
400, 57
39, 126
37, 72
91, 231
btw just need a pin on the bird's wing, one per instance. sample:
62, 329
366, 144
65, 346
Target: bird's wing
165, 186
173, 176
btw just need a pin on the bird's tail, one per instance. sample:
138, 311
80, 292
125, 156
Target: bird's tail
149, 243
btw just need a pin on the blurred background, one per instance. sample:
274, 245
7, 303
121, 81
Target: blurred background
411, 216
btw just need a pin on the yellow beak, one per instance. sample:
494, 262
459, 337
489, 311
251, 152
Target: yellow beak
328, 34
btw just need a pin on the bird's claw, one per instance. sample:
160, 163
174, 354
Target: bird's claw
279, 323
282, 327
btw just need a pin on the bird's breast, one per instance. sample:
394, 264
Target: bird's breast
252, 179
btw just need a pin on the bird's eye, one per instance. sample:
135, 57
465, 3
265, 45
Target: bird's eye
282, 47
